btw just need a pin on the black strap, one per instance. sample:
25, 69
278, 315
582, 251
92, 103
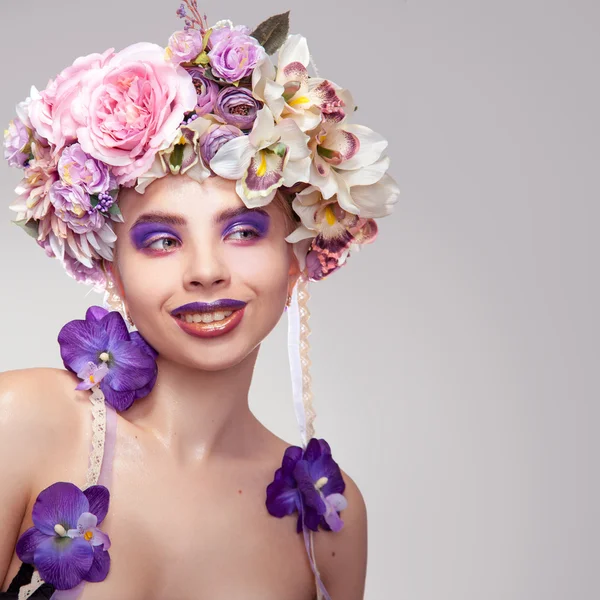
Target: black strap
23, 577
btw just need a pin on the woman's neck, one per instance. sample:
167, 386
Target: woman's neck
199, 415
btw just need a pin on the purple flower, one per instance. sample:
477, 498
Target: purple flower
206, 90
65, 544
93, 276
72, 205
310, 483
237, 106
103, 338
16, 144
215, 137
184, 46
75, 167
234, 54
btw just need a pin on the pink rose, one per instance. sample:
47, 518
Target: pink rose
131, 108
50, 111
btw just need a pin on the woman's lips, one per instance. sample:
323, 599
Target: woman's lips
214, 329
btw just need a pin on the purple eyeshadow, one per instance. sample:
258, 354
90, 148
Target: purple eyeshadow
257, 219
142, 233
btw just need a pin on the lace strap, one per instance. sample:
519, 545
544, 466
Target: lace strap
99, 418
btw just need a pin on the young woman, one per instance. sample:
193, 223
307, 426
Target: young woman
202, 189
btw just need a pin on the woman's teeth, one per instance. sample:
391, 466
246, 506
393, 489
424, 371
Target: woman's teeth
205, 317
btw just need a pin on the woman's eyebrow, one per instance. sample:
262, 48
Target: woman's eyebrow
160, 217
172, 219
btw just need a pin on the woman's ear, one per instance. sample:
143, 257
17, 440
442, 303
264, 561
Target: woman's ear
293, 274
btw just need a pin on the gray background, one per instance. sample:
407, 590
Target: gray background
453, 358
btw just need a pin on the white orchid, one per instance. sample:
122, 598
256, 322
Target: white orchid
348, 162
291, 94
333, 230
269, 157
181, 157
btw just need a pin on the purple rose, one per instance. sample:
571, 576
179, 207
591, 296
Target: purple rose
237, 106
206, 89
72, 205
75, 167
184, 46
16, 142
215, 137
234, 54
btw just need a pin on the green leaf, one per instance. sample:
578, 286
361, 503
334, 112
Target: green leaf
201, 59
272, 33
114, 193
209, 74
114, 209
29, 227
94, 200
205, 39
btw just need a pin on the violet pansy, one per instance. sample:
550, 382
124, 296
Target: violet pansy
308, 482
65, 544
101, 351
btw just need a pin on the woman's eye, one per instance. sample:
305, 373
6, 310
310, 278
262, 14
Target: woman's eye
244, 234
165, 244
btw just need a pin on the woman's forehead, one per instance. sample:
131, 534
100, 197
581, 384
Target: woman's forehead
181, 195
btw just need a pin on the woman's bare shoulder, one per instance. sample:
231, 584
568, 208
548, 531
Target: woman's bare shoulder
37, 403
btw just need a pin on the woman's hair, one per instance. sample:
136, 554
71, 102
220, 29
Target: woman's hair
283, 200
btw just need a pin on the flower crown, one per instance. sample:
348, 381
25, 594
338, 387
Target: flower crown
212, 103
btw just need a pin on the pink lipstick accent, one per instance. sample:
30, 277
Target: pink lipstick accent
214, 329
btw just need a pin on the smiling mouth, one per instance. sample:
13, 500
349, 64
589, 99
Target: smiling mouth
205, 317
209, 324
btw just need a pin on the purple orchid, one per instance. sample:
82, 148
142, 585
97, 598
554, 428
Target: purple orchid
65, 544
101, 351
311, 483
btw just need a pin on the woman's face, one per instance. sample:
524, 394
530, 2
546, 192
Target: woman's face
183, 242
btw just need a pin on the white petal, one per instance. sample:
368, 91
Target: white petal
263, 129
376, 200
327, 184
274, 98
306, 120
292, 136
301, 250
198, 172
156, 171
262, 73
295, 49
367, 175
307, 215
372, 146
233, 158
297, 171
301, 233
345, 200
253, 202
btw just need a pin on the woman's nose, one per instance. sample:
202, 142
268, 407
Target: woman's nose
205, 268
